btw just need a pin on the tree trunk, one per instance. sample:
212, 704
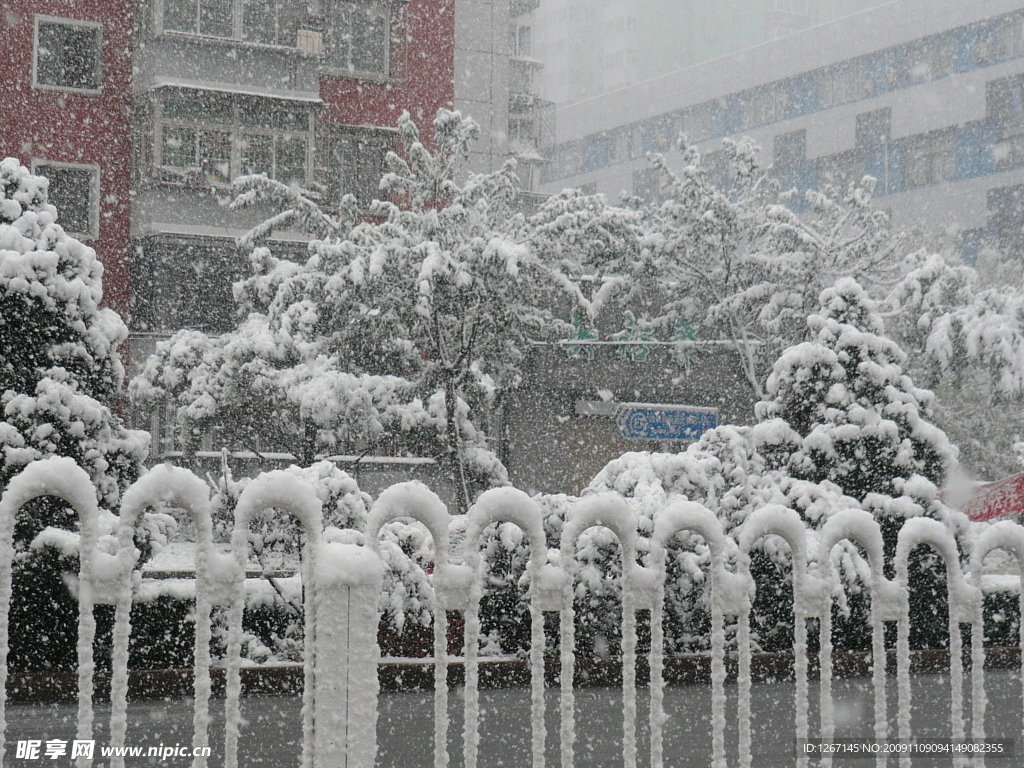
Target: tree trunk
454, 449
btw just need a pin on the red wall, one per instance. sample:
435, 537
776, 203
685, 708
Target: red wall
76, 128
428, 84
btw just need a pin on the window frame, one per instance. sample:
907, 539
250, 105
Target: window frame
844, 83
1008, 152
94, 194
330, 65
936, 150
327, 138
237, 130
238, 28
88, 24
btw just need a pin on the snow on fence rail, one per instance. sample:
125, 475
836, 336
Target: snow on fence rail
343, 583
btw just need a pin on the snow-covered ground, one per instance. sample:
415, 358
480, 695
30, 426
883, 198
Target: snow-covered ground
272, 730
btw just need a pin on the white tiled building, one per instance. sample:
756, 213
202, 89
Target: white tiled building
495, 83
927, 96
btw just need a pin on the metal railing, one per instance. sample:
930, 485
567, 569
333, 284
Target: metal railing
342, 586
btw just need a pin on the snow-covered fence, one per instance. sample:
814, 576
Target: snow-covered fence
342, 585
182, 489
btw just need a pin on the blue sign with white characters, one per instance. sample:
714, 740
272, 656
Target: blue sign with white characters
644, 421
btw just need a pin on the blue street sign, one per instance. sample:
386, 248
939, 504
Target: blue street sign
644, 421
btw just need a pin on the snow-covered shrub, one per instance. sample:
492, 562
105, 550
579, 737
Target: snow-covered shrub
273, 618
58, 368
843, 428
859, 420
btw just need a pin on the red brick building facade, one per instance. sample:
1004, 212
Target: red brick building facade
66, 90
142, 111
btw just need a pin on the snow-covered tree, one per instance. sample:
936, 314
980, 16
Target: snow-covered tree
739, 263
416, 318
59, 368
855, 419
60, 363
966, 342
598, 250
858, 419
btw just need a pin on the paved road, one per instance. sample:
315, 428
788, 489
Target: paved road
272, 729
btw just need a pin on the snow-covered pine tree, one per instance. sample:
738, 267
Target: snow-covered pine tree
862, 423
855, 419
59, 366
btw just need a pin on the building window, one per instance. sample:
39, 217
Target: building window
647, 185
210, 139
696, 123
840, 171
569, 161
521, 39
68, 54
919, 62
358, 37
764, 105
844, 83
636, 142
521, 76
1005, 40
1005, 106
523, 128
270, 22
929, 159
75, 191
351, 161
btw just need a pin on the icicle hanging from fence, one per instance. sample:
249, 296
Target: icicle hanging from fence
857, 526
1007, 536
60, 477
292, 494
657, 658
610, 511
690, 516
181, 488
964, 600
471, 707
415, 501
567, 666
786, 523
504, 505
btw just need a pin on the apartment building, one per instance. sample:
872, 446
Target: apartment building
925, 96
593, 48
141, 112
305, 92
66, 85
497, 83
